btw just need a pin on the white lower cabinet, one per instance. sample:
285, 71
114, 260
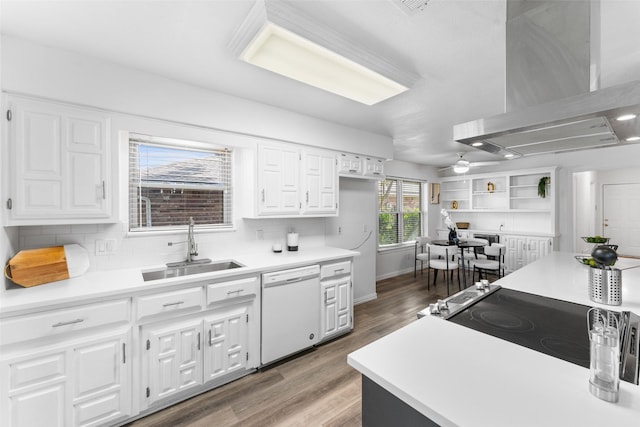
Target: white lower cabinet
226, 350
172, 358
184, 352
82, 382
523, 250
336, 313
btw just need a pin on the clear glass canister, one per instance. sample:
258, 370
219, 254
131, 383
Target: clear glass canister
604, 337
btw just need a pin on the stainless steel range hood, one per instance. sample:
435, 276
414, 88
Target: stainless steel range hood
552, 64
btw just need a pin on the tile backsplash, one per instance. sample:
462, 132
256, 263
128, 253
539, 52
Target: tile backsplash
141, 249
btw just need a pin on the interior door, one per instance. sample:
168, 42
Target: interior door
621, 217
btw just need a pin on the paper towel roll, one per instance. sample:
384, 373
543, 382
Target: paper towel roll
292, 241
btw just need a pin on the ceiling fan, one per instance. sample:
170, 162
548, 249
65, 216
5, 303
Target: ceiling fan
463, 165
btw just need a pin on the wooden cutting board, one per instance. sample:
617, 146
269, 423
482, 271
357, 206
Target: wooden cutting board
31, 267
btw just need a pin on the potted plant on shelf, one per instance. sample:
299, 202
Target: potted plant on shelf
542, 186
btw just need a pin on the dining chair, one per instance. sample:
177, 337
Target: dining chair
444, 258
477, 254
420, 254
496, 265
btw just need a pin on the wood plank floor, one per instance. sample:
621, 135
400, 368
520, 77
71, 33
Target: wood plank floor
317, 388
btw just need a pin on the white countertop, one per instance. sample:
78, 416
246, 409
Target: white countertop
457, 376
126, 282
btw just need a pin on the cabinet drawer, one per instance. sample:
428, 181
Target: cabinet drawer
167, 302
56, 322
335, 269
237, 288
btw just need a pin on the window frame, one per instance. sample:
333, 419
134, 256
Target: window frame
400, 211
188, 145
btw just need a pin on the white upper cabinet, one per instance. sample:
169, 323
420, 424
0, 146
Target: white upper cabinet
356, 166
59, 165
294, 181
278, 180
319, 180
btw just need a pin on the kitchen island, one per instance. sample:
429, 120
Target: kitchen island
455, 376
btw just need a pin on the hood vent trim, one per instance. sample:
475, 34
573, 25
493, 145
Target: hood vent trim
575, 123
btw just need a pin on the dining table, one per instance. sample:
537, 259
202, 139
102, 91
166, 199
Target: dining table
462, 245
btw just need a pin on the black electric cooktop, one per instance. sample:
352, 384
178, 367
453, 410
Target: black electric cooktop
554, 327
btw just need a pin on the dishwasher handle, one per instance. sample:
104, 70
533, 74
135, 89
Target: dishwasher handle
285, 277
289, 281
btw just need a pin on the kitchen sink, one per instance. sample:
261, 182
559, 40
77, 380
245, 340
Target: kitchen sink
189, 269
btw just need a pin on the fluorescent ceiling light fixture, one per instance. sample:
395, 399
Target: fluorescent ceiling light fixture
633, 138
277, 37
509, 155
477, 144
626, 117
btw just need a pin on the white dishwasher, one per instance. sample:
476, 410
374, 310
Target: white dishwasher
290, 312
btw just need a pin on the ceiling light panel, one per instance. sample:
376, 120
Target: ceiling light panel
277, 37
290, 55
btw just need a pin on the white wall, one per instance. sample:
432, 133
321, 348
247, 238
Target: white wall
356, 228
35, 69
584, 201
145, 103
392, 262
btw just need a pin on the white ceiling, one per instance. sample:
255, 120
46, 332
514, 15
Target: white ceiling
456, 46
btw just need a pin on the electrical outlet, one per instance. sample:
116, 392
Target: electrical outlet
105, 247
339, 230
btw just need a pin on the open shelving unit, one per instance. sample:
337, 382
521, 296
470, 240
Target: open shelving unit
523, 192
489, 193
455, 195
512, 194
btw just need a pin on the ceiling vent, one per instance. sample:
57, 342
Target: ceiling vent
411, 7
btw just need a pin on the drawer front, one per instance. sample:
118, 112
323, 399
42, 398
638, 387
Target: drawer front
335, 269
168, 302
227, 290
65, 320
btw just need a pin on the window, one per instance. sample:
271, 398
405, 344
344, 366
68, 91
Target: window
171, 181
400, 211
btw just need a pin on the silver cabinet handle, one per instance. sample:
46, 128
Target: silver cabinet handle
263, 195
307, 197
124, 353
237, 291
295, 279
104, 191
172, 303
338, 271
210, 343
198, 341
70, 322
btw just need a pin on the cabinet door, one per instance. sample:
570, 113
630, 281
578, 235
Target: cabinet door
278, 180
320, 182
172, 359
329, 313
515, 252
101, 386
537, 248
59, 162
34, 390
226, 342
85, 384
344, 304
335, 315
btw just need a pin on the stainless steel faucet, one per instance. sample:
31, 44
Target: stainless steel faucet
192, 246
192, 249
